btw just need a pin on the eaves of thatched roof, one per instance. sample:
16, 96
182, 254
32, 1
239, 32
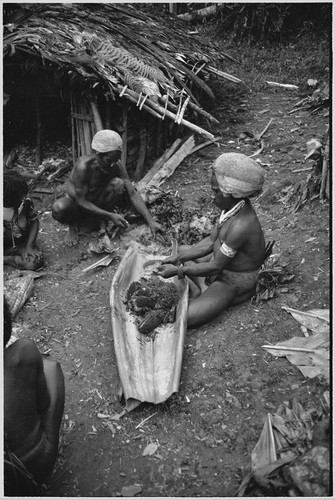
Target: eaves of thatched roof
123, 49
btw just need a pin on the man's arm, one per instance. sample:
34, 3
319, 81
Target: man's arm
137, 201
198, 250
235, 239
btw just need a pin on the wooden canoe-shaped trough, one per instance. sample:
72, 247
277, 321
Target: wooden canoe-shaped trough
149, 368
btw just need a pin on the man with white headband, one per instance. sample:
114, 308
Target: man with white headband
230, 258
98, 183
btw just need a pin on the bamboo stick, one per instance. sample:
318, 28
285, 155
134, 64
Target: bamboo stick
87, 133
284, 348
96, 116
223, 74
204, 144
182, 111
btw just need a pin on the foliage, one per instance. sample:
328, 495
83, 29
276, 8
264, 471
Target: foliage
270, 22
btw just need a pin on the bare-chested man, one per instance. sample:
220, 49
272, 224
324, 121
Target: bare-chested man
33, 410
230, 258
97, 184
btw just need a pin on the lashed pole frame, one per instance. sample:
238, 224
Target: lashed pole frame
83, 125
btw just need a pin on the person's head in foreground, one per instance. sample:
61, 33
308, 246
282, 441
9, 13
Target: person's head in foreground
15, 189
235, 176
108, 146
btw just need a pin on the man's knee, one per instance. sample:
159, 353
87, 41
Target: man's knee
113, 194
64, 210
116, 185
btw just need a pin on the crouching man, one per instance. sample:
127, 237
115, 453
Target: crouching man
230, 258
98, 183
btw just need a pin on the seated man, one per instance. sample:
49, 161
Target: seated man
235, 250
33, 410
21, 224
97, 184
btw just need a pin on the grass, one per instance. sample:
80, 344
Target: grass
293, 62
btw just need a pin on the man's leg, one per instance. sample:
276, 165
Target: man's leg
20, 262
65, 211
218, 297
52, 417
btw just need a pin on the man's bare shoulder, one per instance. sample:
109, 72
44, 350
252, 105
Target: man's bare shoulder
24, 351
84, 161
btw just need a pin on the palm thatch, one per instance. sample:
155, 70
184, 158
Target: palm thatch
119, 51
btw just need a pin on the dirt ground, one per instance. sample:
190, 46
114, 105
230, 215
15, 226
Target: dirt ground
206, 431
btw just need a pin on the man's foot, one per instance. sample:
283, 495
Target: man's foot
71, 238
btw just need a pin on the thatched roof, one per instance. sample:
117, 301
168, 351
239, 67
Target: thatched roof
126, 50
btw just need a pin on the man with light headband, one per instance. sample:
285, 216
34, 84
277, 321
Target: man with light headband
230, 258
98, 183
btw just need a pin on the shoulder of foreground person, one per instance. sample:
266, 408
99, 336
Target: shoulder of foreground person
26, 350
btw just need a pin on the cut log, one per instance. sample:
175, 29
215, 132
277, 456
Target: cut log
158, 164
167, 169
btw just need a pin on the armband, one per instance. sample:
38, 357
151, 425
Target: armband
226, 250
181, 272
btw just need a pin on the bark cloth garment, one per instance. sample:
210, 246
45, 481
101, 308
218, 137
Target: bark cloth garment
13, 233
237, 279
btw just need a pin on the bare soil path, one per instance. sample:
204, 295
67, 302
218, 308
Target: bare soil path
207, 431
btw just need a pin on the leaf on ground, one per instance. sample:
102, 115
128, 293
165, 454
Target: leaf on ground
150, 449
316, 320
131, 491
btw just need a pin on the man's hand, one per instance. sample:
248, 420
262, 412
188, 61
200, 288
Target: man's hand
155, 227
173, 259
167, 270
118, 220
32, 254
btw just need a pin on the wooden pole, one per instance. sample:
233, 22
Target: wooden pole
157, 111
96, 116
73, 126
39, 131
124, 134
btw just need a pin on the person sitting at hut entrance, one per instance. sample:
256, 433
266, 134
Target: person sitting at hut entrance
98, 183
20, 223
33, 410
230, 258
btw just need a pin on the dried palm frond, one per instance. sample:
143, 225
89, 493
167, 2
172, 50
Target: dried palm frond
270, 277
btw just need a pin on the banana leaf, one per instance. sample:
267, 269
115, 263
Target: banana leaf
149, 368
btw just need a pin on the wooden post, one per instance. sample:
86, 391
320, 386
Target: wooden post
142, 151
96, 116
39, 131
108, 115
124, 134
73, 127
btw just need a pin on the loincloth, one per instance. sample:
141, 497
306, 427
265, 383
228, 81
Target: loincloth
237, 279
37, 457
